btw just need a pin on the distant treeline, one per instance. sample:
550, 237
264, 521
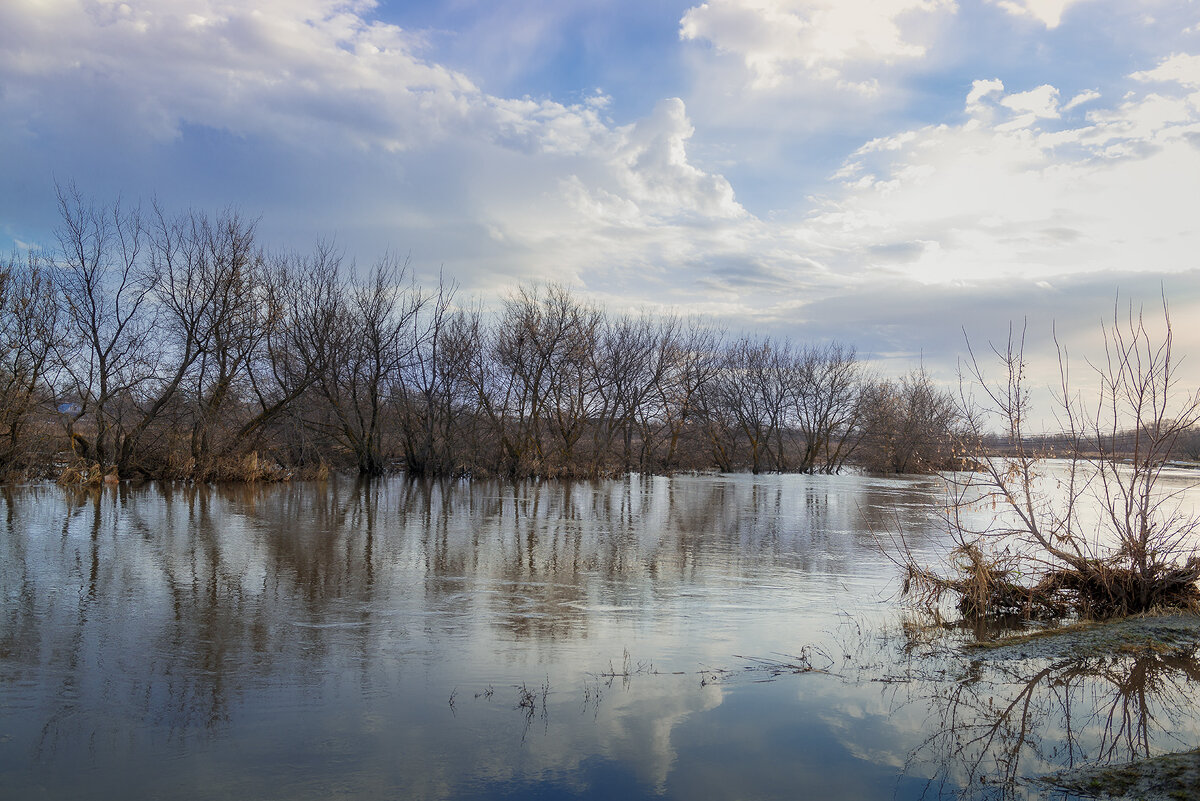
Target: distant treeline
173, 346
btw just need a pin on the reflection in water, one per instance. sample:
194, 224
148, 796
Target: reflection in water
373, 639
1015, 716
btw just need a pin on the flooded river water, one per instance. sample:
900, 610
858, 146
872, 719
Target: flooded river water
694, 637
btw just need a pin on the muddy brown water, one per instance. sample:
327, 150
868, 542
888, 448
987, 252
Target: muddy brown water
694, 637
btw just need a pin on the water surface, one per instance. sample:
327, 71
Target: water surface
639, 638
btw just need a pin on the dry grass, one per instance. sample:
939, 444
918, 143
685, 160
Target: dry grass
990, 585
84, 473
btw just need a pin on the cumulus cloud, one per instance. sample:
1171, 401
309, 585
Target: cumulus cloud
997, 191
782, 40
1041, 102
1085, 96
307, 71
1013, 209
305, 86
1182, 68
981, 89
651, 165
634, 207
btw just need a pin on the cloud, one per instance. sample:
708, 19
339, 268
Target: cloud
1086, 96
634, 207
1041, 103
985, 190
310, 72
328, 121
1010, 212
651, 165
1181, 68
1048, 12
981, 89
780, 41
318, 97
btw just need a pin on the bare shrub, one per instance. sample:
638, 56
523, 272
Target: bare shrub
1098, 533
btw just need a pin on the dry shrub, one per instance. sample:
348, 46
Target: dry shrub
1107, 536
84, 473
984, 585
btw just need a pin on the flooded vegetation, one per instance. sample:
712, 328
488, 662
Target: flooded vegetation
1106, 530
151, 345
681, 637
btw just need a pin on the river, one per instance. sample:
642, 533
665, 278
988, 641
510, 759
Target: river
692, 637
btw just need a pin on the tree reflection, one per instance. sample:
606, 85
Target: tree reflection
1010, 718
145, 621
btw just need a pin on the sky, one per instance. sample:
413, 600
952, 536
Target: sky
900, 175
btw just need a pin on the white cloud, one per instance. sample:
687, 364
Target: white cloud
652, 166
1048, 12
309, 72
781, 40
987, 97
1085, 96
1036, 104
1041, 102
981, 89
1180, 68
369, 133
1001, 195
319, 76
997, 208
636, 204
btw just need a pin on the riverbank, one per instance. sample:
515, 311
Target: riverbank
1171, 777
1161, 634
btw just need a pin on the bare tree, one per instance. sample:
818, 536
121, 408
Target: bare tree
211, 287
535, 388
908, 426
575, 396
628, 362
366, 356
1107, 537
297, 308
748, 397
825, 406
30, 336
433, 385
189, 350
691, 356
105, 282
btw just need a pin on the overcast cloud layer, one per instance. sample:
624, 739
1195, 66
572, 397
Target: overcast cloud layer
886, 172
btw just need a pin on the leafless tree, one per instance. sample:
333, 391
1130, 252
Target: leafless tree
213, 288
105, 281
908, 425
1107, 536
535, 387
691, 356
298, 311
30, 336
189, 349
368, 351
825, 406
433, 385
628, 363
747, 402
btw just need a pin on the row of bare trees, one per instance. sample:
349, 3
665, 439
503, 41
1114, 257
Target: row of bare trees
172, 345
